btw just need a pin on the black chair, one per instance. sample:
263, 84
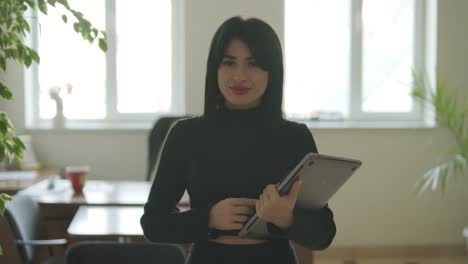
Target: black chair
28, 228
156, 139
98, 252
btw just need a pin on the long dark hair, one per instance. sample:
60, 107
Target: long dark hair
265, 47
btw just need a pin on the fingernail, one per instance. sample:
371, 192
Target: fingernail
300, 181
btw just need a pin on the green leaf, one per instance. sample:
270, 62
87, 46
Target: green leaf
34, 55
3, 63
19, 145
27, 61
64, 3
52, 2
5, 197
103, 44
64, 18
5, 92
42, 5
2, 152
3, 128
76, 27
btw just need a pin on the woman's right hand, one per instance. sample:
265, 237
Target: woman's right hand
231, 213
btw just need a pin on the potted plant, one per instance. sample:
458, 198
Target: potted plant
451, 112
14, 28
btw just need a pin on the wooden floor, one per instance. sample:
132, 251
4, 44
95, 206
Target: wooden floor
445, 260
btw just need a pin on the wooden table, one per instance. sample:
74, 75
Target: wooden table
59, 204
13, 181
106, 222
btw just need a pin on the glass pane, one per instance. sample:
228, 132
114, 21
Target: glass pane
144, 54
316, 58
71, 64
387, 55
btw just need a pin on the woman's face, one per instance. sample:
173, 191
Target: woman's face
241, 81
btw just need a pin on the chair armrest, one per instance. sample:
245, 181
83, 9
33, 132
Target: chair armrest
45, 242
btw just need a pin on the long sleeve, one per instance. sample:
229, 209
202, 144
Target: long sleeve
162, 221
314, 229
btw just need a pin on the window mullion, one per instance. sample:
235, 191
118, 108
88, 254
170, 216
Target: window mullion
419, 48
355, 60
178, 57
32, 75
111, 59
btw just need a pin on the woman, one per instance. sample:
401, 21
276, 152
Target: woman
229, 159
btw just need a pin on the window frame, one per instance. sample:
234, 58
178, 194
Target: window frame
113, 117
356, 65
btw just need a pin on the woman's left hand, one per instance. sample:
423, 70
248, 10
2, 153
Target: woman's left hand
277, 209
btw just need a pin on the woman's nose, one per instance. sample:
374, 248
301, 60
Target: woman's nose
240, 73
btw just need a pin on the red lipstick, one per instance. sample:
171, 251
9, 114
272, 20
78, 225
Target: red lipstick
239, 89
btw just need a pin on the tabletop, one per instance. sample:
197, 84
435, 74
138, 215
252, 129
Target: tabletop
95, 192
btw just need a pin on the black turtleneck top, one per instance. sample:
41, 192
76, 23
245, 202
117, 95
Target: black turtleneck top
233, 154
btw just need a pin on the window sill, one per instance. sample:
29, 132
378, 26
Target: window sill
145, 126
368, 124
93, 126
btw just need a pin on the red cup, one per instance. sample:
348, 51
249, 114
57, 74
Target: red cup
77, 176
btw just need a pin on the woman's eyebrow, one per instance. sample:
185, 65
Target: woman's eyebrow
227, 56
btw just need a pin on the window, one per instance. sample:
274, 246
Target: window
352, 60
132, 81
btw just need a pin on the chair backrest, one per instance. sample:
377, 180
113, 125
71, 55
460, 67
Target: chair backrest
156, 139
98, 252
23, 215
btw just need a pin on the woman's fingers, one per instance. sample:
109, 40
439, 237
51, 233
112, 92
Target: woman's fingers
234, 226
246, 210
262, 200
271, 192
241, 201
240, 218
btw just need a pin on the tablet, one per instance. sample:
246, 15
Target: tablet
322, 176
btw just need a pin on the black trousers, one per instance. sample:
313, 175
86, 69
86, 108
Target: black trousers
271, 252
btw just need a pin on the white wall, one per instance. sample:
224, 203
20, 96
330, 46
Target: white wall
376, 206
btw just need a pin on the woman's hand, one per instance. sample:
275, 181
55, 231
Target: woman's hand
231, 213
277, 209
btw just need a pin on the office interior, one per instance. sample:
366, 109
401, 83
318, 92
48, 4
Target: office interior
377, 211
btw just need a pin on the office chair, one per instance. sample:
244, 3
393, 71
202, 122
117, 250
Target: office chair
24, 217
156, 139
98, 252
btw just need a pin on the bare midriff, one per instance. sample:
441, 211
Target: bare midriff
237, 240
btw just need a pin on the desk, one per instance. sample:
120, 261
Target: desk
62, 202
106, 222
59, 204
13, 181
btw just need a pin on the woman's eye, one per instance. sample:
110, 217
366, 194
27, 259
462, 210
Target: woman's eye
253, 64
228, 62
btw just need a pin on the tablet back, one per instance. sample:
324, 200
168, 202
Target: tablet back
322, 176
